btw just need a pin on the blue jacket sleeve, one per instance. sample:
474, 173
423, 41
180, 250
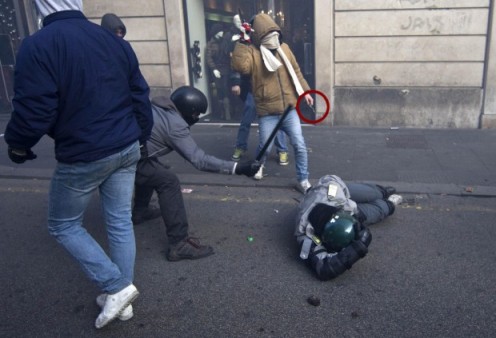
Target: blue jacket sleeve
35, 101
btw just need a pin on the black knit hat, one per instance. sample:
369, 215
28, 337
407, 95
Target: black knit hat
112, 22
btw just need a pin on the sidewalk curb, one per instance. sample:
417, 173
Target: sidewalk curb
275, 182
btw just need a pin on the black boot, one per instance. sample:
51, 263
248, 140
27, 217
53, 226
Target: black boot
387, 191
189, 248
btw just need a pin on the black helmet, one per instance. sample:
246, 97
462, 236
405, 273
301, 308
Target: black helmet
339, 231
190, 102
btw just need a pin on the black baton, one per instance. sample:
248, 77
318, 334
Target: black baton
273, 134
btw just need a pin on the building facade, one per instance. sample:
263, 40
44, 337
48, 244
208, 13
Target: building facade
381, 63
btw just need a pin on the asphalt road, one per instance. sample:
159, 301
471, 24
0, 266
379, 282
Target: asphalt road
430, 272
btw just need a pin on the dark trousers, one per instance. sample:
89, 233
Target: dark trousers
151, 175
371, 201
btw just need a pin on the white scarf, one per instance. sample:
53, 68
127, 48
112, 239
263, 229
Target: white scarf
271, 41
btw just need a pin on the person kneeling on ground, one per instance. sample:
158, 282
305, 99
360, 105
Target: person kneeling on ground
333, 219
172, 119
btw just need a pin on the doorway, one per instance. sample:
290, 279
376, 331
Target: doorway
204, 17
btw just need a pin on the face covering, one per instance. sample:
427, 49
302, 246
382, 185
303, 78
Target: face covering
219, 35
271, 41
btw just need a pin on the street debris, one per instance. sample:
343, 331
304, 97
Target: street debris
313, 300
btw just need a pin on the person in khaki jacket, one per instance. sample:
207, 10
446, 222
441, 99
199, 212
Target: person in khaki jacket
277, 83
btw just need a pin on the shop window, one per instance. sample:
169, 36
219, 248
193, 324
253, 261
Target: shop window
296, 19
14, 26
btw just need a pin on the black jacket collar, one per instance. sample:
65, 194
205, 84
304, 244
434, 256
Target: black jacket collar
62, 15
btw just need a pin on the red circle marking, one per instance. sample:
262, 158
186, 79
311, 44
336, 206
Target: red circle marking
302, 117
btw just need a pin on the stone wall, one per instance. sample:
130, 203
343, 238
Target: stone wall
152, 26
408, 63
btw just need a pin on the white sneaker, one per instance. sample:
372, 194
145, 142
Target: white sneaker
303, 186
125, 315
115, 305
259, 175
395, 199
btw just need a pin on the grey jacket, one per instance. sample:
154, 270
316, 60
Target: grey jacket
330, 190
171, 132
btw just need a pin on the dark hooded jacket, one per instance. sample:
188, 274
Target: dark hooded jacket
217, 54
81, 85
273, 91
113, 23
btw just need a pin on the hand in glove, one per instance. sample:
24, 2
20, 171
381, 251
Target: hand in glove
248, 168
143, 151
21, 155
217, 73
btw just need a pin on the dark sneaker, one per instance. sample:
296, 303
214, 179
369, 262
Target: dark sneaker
142, 215
389, 191
189, 248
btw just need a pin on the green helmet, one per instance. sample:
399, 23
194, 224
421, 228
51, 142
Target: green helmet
339, 231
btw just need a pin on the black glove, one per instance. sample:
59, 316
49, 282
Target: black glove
248, 168
21, 155
143, 151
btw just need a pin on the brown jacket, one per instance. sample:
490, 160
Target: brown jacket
273, 91
216, 58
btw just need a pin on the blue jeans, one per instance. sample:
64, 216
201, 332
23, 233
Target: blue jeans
292, 127
249, 115
71, 189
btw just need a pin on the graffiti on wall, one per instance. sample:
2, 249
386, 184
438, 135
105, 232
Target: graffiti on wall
427, 3
433, 24
438, 23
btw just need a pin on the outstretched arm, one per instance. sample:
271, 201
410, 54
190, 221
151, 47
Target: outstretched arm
330, 265
182, 142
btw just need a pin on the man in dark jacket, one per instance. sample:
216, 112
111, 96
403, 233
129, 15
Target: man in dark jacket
218, 62
114, 24
82, 86
173, 118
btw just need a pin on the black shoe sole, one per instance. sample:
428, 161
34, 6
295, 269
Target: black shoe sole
176, 259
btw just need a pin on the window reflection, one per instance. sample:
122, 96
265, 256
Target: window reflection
13, 27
